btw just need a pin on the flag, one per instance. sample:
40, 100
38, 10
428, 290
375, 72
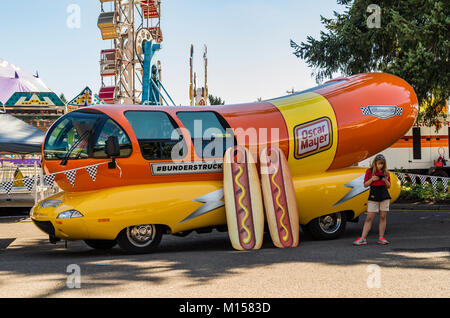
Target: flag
445, 183
434, 181
423, 180
92, 170
29, 183
49, 179
412, 177
401, 176
7, 186
71, 175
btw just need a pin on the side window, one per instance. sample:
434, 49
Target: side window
210, 134
157, 134
110, 128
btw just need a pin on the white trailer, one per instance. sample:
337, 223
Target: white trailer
419, 149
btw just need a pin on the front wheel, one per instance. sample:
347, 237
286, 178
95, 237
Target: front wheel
327, 227
140, 238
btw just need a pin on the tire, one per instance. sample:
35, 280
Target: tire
140, 239
327, 227
101, 244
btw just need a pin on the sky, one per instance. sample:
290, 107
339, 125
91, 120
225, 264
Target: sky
249, 55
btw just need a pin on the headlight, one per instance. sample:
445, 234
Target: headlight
52, 203
71, 214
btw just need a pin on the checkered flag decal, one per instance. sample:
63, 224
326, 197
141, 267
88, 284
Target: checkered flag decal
49, 179
7, 186
398, 111
365, 111
92, 170
29, 183
71, 175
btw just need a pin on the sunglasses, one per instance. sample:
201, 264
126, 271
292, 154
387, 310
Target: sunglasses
380, 157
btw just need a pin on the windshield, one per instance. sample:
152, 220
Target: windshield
81, 135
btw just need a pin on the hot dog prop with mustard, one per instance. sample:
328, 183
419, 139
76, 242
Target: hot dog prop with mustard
243, 200
279, 198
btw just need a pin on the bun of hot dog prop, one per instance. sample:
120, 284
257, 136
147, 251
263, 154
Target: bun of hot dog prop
279, 198
243, 200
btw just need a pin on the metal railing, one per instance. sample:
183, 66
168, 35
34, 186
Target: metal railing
19, 193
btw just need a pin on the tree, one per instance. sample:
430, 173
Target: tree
214, 100
63, 98
410, 41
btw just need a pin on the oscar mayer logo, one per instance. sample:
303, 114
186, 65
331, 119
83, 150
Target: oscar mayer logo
313, 137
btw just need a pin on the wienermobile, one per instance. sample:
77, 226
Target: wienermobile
165, 164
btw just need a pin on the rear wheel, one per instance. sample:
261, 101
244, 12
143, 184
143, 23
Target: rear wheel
327, 227
143, 238
101, 244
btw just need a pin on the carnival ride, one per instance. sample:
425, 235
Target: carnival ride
160, 169
134, 27
198, 96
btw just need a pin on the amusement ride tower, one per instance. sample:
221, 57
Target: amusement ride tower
198, 96
134, 27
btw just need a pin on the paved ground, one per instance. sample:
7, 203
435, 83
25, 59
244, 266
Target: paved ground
416, 264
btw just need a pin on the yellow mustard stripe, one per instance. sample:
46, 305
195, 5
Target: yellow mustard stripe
286, 236
247, 213
304, 114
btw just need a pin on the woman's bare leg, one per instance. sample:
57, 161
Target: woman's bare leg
382, 225
368, 224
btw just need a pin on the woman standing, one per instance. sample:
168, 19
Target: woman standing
377, 177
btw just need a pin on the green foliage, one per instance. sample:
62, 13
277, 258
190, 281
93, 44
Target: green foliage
63, 98
415, 192
412, 43
214, 100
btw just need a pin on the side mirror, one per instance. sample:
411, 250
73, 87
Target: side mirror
112, 150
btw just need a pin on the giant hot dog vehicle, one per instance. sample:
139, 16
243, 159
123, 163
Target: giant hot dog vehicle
164, 177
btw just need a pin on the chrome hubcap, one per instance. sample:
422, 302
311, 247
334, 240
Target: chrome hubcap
330, 223
141, 235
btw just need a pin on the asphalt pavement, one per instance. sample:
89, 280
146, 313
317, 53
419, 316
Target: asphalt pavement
415, 264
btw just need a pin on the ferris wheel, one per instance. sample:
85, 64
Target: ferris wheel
134, 29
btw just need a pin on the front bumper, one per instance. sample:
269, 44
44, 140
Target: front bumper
66, 229
47, 227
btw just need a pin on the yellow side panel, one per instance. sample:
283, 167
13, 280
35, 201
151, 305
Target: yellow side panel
192, 205
305, 114
335, 191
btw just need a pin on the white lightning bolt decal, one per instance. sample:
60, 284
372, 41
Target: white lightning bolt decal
357, 187
211, 202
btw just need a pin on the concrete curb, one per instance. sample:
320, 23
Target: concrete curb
420, 206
